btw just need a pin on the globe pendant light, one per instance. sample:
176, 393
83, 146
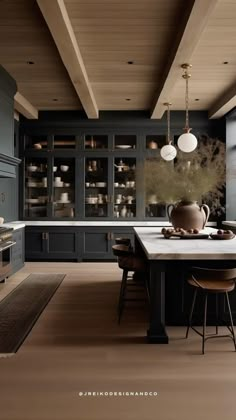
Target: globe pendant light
187, 142
168, 152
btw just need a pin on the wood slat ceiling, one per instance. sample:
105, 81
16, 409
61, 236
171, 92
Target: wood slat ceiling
111, 33
210, 77
24, 37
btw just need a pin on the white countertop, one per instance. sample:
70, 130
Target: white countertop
229, 223
156, 247
98, 223
14, 225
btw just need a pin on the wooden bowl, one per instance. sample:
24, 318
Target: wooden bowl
222, 236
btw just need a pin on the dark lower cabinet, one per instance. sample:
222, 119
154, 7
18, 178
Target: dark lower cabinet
72, 243
52, 243
18, 250
97, 242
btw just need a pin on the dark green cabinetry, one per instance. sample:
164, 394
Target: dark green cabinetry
18, 250
97, 242
51, 243
72, 243
93, 176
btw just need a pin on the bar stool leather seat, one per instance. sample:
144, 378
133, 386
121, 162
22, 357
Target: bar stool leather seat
215, 281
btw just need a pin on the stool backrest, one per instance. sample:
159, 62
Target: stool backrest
121, 250
123, 241
215, 274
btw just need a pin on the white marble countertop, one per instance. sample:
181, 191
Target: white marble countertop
98, 223
15, 225
156, 247
229, 223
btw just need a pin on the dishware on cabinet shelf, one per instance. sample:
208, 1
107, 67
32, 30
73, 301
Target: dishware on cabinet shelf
64, 168
123, 211
32, 168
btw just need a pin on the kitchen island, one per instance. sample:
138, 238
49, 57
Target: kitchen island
160, 252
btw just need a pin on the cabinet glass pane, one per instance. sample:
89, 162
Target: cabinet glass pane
64, 187
36, 187
154, 142
124, 187
96, 184
153, 208
64, 142
38, 142
125, 142
94, 141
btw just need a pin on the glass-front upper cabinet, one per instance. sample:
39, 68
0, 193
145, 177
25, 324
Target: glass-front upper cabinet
151, 180
64, 141
36, 142
36, 196
63, 198
154, 141
96, 141
124, 188
96, 187
125, 141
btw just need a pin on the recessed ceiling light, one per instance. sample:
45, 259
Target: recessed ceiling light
130, 62
30, 62
225, 62
128, 99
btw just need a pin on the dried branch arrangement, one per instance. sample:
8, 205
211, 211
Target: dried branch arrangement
198, 176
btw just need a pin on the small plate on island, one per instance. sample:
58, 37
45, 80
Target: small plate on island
222, 236
183, 234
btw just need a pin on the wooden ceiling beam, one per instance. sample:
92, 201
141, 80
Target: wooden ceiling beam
57, 19
224, 104
195, 19
24, 107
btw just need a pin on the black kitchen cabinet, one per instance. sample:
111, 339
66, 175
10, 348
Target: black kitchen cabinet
57, 243
51, 243
18, 250
97, 242
92, 175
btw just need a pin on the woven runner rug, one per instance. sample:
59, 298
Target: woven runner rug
21, 308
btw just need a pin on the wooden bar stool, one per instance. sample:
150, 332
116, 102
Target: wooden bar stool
123, 241
129, 262
216, 281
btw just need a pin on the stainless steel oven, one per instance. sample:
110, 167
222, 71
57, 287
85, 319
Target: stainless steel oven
6, 244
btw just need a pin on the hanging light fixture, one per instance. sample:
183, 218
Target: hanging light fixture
187, 142
168, 152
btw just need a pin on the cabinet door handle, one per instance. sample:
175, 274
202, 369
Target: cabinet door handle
108, 236
3, 197
43, 235
111, 236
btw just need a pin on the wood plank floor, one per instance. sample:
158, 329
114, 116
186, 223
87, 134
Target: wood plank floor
77, 346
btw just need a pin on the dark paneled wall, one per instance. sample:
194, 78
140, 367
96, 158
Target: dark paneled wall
8, 186
136, 121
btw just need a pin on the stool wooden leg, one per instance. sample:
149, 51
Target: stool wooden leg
217, 312
191, 312
231, 319
122, 294
204, 324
